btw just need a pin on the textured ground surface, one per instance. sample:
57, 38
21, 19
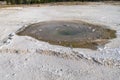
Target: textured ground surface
25, 58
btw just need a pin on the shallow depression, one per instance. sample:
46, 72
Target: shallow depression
75, 34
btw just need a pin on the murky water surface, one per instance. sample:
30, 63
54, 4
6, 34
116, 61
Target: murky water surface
75, 34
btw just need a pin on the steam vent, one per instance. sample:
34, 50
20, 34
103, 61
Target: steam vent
76, 34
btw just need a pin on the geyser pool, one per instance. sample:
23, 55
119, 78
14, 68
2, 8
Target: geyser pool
75, 34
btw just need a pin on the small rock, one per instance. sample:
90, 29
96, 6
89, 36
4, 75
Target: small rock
40, 30
16, 51
93, 30
80, 56
61, 69
26, 59
10, 38
12, 34
13, 74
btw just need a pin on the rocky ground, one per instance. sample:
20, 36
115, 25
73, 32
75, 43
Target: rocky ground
25, 58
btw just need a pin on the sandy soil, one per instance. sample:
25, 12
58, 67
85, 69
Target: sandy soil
25, 58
